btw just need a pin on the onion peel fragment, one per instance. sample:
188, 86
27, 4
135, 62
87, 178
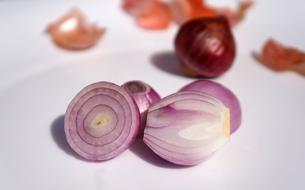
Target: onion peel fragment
149, 14
184, 10
279, 57
73, 32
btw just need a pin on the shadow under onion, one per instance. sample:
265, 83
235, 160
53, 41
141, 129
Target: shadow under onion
142, 151
167, 62
59, 137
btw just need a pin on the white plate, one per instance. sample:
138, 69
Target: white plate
38, 81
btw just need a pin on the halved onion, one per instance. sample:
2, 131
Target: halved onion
101, 121
186, 128
222, 93
144, 95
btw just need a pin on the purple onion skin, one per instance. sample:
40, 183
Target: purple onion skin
226, 96
144, 96
205, 47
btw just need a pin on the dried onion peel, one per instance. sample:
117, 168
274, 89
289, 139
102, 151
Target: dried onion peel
101, 121
278, 57
73, 32
157, 15
149, 14
185, 10
186, 128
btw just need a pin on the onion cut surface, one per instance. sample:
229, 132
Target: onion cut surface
186, 128
101, 121
226, 96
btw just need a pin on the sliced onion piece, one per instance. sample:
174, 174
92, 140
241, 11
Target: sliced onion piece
222, 93
73, 32
101, 121
186, 128
144, 95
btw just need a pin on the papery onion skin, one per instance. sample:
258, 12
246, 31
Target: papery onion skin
186, 128
73, 32
280, 57
222, 93
101, 121
185, 10
144, 95
205, 47
149, 14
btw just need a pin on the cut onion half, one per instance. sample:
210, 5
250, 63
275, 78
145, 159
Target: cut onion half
101, 121
186, 128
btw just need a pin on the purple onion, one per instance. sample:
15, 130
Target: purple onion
101, 121
186, 128
222, 93
205, 46
144, 95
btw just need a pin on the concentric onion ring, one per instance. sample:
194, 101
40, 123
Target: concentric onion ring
101, 121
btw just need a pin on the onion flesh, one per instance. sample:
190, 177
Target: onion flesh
101, 121
205, 47
222, 93
186, 128
144, 95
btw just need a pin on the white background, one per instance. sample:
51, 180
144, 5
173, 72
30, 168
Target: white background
38, 80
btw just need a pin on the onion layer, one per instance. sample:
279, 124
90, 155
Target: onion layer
205, 46
226, 96
101, 121
144, 95
187, 127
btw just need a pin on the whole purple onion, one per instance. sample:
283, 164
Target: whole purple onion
205, 46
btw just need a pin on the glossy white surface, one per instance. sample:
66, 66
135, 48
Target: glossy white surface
38, 80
